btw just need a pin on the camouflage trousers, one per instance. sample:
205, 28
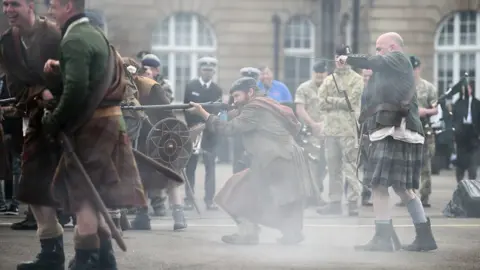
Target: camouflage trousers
341, 155
426, 173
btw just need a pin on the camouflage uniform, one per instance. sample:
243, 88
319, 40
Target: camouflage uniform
307, 94
426, 95
339, 129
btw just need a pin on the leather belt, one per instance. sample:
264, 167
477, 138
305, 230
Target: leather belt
381, 107
108, 111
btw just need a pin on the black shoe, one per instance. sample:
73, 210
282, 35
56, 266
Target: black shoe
124, 222
178, 218
424, 240
107, 259
51, 257
141, 222
333, 208
385, 239
63, 219
3, 209
28, 224
424, 200
85, 260
12, 210
236, 239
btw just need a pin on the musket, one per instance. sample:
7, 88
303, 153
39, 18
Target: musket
347, 100
215, 105
8, 101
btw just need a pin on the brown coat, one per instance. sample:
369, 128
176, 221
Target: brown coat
150, 93
104, 149
278, 180
26, 80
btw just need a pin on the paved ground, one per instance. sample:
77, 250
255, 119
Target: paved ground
328, 242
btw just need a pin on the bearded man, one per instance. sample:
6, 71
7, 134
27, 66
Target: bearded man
391, 118
89, 113
25, 48
272, 191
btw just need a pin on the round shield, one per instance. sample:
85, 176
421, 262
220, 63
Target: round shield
169, 143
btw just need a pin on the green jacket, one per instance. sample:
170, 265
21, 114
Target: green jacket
84, 54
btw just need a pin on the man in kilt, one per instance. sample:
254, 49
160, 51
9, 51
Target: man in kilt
396, 138
88, 111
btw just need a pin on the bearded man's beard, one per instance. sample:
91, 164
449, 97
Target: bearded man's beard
241, 104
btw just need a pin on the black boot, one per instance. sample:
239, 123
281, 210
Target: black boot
385, 239
85, 260
28, 224
107, 256
51, 257
178, 218
141, 221
424, 240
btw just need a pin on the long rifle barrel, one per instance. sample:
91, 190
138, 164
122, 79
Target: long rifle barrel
218, 105
7, 101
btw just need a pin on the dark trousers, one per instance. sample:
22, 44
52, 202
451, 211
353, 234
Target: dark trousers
209, 162
467, 148
466, 161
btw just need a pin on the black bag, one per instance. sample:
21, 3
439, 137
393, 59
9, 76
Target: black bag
465, 201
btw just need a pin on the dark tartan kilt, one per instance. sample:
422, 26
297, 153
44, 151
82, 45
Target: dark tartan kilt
393, 163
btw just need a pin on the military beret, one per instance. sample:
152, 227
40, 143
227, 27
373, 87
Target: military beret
415, 61
151, 60
343, 50
320, 67
250, 72
207, 63
243, 84
95, 19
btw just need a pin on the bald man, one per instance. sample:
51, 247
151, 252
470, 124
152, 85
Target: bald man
391, 118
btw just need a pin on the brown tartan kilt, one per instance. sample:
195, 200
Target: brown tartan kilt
105, 152
40, 157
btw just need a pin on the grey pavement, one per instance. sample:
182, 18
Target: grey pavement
328, 245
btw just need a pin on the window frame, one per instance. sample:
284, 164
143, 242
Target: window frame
298, 52
457, 49
194, 50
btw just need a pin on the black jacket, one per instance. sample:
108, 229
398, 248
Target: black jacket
195, 92
460, 111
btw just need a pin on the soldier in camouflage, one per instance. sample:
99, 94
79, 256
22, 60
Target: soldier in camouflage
426, 96
340, 134
308, 110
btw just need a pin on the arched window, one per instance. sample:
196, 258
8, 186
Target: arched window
457, 49
299, 51
179, 41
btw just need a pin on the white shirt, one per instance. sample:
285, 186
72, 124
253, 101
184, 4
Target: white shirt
398, 133
207, 84
468, 120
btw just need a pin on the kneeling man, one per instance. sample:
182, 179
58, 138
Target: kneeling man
273, 190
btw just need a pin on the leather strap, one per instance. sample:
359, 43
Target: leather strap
108, 111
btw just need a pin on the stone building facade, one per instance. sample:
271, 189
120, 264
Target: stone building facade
289, 35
